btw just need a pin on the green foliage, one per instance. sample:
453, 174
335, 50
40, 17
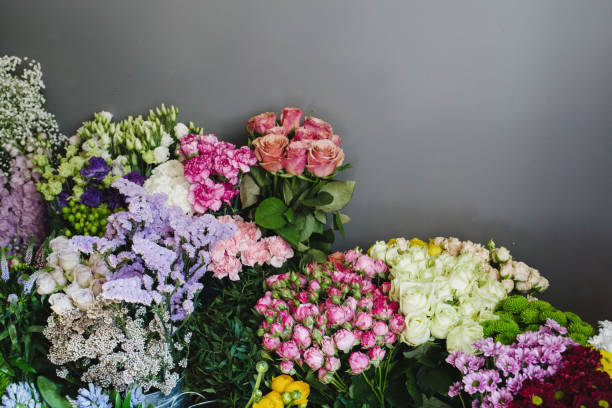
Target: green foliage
516, 314
51, 393
298, 208
225, 348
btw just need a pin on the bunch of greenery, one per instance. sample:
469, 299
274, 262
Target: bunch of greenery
225, 347
517, 314
23, 315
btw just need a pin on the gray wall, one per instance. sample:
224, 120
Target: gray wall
471, 118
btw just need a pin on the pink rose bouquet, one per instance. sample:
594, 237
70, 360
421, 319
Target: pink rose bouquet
333, 316
213, 170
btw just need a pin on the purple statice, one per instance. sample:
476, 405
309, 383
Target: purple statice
154, 252
22, 210
97, 169
495, 378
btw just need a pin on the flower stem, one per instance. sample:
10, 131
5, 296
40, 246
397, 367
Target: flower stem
257, 383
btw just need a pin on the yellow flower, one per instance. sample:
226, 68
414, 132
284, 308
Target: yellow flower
280, 383
606, 362
303, 388
272, 399
415, 242
391, 241
434, 250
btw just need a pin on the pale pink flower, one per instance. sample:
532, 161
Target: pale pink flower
368, 339
206, 195
288, 350
332, 364
286, 367
380, 328
280, 251
314, 358
358, 362
344, 339
255, 253
270, 342
301, 336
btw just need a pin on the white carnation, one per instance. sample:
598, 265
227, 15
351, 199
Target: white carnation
603, 339
162, 154
169, 178
180, 131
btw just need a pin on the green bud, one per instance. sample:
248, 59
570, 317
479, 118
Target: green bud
261, 367
287, 399
296, 395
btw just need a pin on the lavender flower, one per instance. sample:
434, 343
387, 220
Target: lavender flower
21, 395
97, 169
92, 397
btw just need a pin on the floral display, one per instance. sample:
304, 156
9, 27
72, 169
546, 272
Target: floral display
441, 296
517, 314
146, 263
293, 190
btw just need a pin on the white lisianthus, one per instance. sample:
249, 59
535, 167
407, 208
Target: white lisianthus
45, 284
180, 131
169, 178
162, 154
83, 298
444, 318
417, 331
463, 336
166, 140
82, 275
59, 244
68, 259
60, 303
378, 250
58, 276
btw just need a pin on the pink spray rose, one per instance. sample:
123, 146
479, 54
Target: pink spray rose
380, 328
376, 354
276, 328
397, 324
336, 257
366, 264
301, 336
205, 196
363, 321
288, 350
261, 123
290, 118
328, 346
351, 255
264, 302
286, 367
314, 358
359, 362
332, 364
366, 303
270, 150
269, 342
336, 315
302, 311
368, 339
297, 153
344, 339
390, 338
279, 249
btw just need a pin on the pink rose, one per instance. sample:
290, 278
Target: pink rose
302, 297
332, 364
301, 336
317, 125
261, 123
276, 328
279, 304
321, 320
286, 319
279, 249
270, 342
380, 266
328, 346
286, 367
368, 339
397, 324
270, 150
363, 321
297, 153
336, 257
376, 354
336, 315
390, 338
350, 255
276, 281
314, 285
366, 264
302, 311
290, 118
380, 328
314, 358
264, 302
348, 313
205, 196
323, 376
279, 130
255, 253
305, 135
351, 302
366, 303
359, 362
385, 287
344, 339
288, 350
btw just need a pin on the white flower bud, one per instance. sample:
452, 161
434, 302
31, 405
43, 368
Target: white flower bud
501, 255
82, 275
60, 303
68, 259
508, 285
83, 298
523, 286
46, 284
180, 131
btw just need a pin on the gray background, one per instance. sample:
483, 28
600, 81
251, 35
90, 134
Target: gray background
470, 118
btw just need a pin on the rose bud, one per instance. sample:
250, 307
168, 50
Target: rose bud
288, 350
397, 324
359, 362
380, 328
368, 339
269, 342
301, 336
314, 358
332, 364
295, 160
328, 346
278, 130
290, 118
286, 367
317, 125
261, 123
376, 355
344, 339
363, 321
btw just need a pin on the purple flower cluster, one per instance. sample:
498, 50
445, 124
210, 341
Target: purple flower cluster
155, 252
534, 356
22, 211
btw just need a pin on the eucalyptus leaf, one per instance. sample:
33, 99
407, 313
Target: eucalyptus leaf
342, 192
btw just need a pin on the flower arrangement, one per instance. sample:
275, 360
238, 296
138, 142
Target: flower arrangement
293, 190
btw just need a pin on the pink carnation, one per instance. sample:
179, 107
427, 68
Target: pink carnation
205, 196
255, 253
280, 251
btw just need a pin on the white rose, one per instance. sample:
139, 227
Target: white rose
492, 272
542, 284
501, 255
523, 286
463, 336
444, 318
60, 303
166, 140
469, 307
60, 243
46, 284
98, 265
58, 276
53, 259
417, 331
441, 290
414, 299
507, 271
378, 250
521, 271
508, 285
460, 280
491, 293
68, 259
162, 154
82, 275
83, 298
180, 131
453, 246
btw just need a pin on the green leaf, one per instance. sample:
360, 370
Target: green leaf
269, 214
342, 192
315, 255
259, 175
321, 216
323, 198
50, 393
308, 228
23, 365
287, 192
344, 218
289, 215
290, 233
338, 222
249, 191
126, 401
